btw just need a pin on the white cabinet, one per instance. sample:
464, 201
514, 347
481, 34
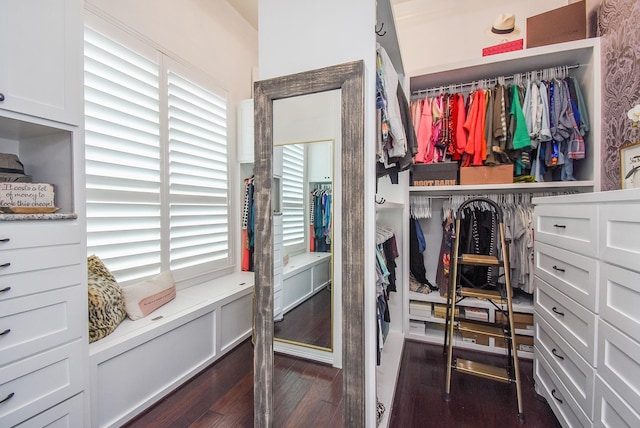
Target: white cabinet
245, 131
587, 344
41, 58
319, 162
43, 274
43, 307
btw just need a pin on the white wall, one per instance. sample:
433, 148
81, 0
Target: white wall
301, 35
445, 32
212, 37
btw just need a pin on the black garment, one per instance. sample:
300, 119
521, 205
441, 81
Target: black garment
416, 259
477, 237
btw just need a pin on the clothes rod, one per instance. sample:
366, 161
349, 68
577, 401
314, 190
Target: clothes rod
493, 80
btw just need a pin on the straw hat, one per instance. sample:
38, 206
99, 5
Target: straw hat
504, 26
11, 169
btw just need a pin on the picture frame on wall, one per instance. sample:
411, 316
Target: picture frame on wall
630, 166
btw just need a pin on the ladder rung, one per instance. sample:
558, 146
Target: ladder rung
486, 330
479, 260
482, 370
480, 293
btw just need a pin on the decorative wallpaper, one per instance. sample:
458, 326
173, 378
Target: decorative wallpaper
618, 24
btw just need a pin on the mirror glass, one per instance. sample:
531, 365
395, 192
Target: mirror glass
305, 132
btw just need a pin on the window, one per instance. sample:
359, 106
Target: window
156, 165
293, 211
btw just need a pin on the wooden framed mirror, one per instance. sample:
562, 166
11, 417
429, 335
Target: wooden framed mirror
349, 79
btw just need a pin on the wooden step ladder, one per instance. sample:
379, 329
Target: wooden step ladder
500, 297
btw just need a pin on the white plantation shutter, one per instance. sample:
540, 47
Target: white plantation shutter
122, 127
293, 212
198, 182
156, 166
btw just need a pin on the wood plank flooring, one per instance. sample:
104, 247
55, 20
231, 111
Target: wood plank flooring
309, 322
308, 394
475, 402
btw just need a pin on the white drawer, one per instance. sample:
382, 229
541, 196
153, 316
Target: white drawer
31, 259
571, 227
619, 363
620, 299
611, 410
574, 274
68, 414
25, 283
573, 322
41, 321
29, 234
574, 372
620, 229
561, 402
40, 382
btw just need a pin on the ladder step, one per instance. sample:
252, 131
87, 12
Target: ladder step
486, 330
479, 260
483, 370
480, 293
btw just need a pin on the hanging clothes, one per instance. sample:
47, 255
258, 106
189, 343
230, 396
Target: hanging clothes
320, 219
248, 222
538, 123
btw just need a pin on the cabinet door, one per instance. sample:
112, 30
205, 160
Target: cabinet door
320, 164
41, 58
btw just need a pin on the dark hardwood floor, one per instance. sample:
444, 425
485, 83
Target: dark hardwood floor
309, 322
475, 402
309, 395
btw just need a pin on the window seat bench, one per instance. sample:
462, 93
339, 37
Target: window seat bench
303, 276
143, 360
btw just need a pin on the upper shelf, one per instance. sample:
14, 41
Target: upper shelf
477, 189
578, 52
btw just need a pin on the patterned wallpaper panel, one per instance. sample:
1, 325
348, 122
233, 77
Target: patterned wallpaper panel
619, 26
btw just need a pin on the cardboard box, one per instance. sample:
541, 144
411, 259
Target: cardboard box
476, 314
563, 24
523, 343
478, 339
440, 311
498, 174
435, 174
520, 320
418, 308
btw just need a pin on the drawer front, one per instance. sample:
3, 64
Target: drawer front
572, 321
68, 414
620, 299
573, 274
25, 283
32, 324
611, 410
32, 259
620, 229
40, 382
619, 363
574, 372
569, 227
30, 234
561, 402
